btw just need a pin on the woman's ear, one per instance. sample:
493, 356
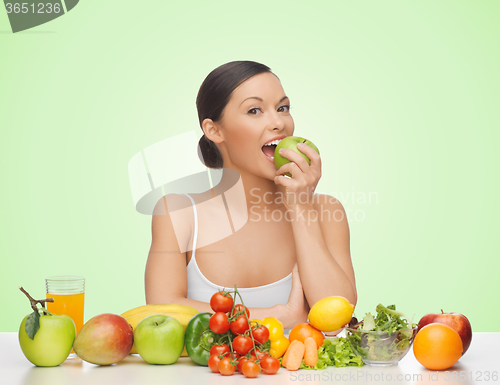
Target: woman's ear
212, 131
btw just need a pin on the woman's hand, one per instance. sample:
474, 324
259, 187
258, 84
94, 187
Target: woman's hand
300, 187
297, 309
331, 334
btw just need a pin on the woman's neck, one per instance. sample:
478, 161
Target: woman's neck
260, 193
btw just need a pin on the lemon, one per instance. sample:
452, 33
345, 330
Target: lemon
330, 313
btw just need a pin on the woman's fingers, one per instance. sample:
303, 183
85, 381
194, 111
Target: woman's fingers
308, 151
284, 181
295, 157
292, 168
311, 154
304, 178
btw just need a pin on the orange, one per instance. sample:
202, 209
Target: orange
302, 331
437, 346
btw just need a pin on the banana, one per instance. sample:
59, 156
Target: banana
183, 315
183, 318
163, 306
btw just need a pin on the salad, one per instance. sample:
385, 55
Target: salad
385, 337
335, 351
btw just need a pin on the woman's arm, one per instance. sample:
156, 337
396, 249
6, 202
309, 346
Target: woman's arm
322, 244
320, 229
166, 277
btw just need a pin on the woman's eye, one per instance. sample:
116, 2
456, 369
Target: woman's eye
285, 108
253, 109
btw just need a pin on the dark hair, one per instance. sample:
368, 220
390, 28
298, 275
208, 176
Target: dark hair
214, 94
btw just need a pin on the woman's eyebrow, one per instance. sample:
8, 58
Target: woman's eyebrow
256, 97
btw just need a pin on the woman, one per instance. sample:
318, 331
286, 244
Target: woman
294, 261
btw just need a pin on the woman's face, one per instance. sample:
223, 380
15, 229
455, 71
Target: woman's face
257, 113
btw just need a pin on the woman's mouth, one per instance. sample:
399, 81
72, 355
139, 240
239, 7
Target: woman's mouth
268, 149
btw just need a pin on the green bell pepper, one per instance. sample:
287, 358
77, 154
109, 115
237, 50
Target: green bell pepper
199, 338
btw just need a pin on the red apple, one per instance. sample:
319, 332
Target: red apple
456, 321
104, 339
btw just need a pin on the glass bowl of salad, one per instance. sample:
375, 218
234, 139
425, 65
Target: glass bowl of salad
384, 339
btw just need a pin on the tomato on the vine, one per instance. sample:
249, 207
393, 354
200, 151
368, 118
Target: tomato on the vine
253, 357
241, 360
226, 368
269, 364
250, 369
239, 325
213, 363
242, 345
219, 349
218, 323
221, 301
260, 354
260, 334
240, 309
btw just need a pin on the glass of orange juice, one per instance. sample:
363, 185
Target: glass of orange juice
68, 292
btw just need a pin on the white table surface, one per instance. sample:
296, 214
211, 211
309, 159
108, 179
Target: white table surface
477, 366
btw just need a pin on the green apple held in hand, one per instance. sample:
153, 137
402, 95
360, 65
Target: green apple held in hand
47, 339
291, 143
159, 339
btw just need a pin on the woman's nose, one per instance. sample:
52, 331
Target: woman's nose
276, 122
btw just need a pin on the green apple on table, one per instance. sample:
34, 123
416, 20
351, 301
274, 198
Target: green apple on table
159, 339
291, 143
46, 339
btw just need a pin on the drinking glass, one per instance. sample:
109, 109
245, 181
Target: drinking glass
68, 292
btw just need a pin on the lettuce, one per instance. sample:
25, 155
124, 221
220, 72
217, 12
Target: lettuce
368, 322
388, 319
386, 346
335, 351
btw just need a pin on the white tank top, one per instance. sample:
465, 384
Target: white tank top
201, 289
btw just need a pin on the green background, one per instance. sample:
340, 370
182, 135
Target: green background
401, 97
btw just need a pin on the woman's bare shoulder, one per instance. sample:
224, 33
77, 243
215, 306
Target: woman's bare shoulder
172, 220
170, 203
329, 208
174, 213
326, 200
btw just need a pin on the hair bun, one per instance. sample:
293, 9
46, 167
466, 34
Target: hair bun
209, 153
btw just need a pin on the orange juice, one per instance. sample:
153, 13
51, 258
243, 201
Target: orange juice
69, 304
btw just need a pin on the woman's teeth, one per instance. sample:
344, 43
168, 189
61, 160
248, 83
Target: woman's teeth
269, 148
274, 142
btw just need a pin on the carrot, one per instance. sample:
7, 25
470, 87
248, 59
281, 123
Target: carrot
295, 354
285, 357
311, 353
